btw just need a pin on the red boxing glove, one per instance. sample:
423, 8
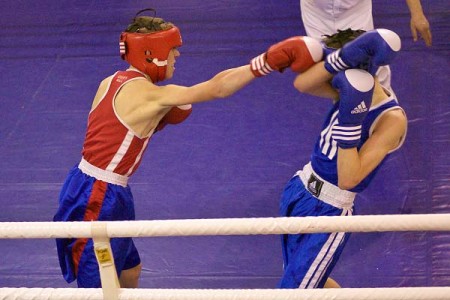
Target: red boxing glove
175, 115
298, 52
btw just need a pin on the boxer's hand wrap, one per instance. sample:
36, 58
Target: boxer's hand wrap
297, 52
260, 66
355, 97
376, 47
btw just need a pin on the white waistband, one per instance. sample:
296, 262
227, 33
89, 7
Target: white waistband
103, 175
325, 191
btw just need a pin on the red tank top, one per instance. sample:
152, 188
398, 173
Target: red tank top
110, 144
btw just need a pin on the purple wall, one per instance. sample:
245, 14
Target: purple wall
231, 158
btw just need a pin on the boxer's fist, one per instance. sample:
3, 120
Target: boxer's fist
175, 115
355, 88
376, 47
299, 53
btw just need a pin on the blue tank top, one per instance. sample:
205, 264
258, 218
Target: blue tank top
324, 157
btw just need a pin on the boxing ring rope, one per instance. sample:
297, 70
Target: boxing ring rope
231, 226
102, 231
434, 293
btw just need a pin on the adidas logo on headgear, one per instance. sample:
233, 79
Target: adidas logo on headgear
359, 109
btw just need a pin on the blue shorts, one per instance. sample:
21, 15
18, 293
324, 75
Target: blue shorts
83, 198
308, 258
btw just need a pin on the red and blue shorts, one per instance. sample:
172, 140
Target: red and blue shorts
84, 198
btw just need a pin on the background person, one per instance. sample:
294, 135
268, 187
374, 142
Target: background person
324, 17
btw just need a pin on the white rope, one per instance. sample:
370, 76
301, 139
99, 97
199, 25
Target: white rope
412, 293
236, 226
244, 226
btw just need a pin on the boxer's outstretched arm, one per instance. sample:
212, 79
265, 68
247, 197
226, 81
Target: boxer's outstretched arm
316, 81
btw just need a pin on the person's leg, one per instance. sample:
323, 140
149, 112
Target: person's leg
72, 200
310, 256
85, 264
129, 266
331, 284
126, 256
129, 279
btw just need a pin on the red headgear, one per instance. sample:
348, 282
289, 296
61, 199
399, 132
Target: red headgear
148, 52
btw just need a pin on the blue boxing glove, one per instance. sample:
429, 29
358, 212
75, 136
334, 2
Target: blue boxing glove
355, 97
376, 47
